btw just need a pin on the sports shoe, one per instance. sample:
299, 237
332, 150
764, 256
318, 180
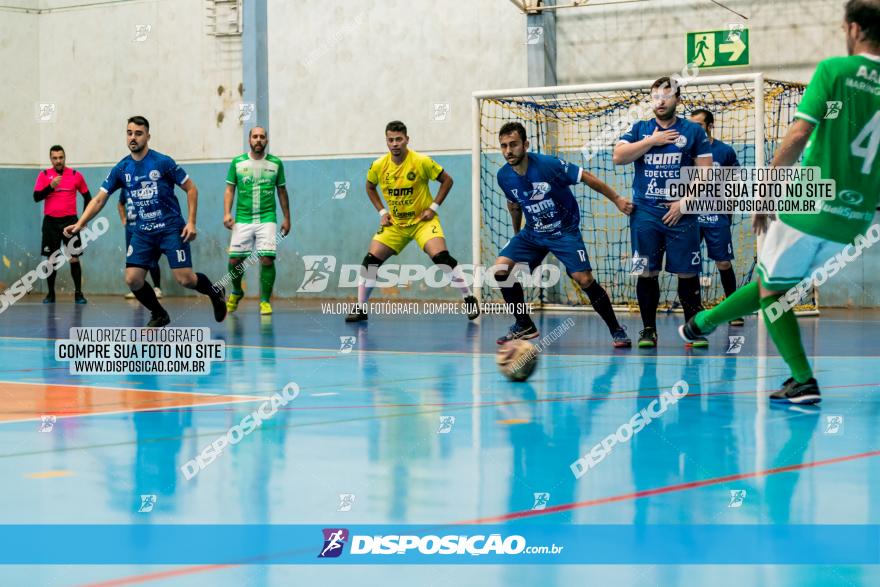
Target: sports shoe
648, 338
357, 315
159, 320
219, 305
737, 322
620, 339
472, 306
232, 301
158, 293
792, 392
265, 308
49, 299
517, 332
79, 298
692, 335
129, 295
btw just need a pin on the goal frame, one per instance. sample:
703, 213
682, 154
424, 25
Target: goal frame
756, 80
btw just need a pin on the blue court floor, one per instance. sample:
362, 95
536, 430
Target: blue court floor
372, 421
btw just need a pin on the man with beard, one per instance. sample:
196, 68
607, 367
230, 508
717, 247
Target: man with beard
56, 187
256, 175
538, 186
148, 179
660, 147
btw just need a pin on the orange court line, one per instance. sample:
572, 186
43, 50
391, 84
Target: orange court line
30, 401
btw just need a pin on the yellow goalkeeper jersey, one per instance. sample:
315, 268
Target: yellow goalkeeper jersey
405, 186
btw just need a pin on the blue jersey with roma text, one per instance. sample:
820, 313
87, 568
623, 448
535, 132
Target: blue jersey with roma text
660, 164
148, 191
543, 193
723, 155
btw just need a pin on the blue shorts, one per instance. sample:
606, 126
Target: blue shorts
530, 247
144, 249
128, 232
651, 240
719, 243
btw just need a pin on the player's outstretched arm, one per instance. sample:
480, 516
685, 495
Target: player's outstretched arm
376, 200
515, 216
606, 190
95, 206
625, 153
192, 202
794, 143
121, 209
228, 197
284, 202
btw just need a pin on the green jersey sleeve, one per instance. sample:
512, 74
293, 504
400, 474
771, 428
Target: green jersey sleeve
813, 106
231, 175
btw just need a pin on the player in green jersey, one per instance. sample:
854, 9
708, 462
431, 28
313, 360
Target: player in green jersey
256, 175
838, 123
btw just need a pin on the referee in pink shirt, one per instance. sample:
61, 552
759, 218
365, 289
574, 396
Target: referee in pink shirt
56, 187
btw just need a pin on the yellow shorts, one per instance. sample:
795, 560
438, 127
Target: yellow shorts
397, 237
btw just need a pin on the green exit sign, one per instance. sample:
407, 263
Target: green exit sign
727, 48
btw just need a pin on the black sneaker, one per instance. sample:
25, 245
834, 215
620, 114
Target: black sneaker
792, 392
692, 335
79, 298
648, 338
518, 331
472, 306
218, 302
49, 299
357, 315
159, 320
620, 339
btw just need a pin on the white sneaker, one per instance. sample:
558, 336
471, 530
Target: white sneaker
158, 292
129, 296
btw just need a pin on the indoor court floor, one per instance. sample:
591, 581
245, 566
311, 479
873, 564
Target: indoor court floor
372, 420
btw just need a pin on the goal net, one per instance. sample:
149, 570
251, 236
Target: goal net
581, 124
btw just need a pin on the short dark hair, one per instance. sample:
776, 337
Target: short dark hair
865, 13
708, 118
665, 81
510, 127
56, 148
140, 121
395, 126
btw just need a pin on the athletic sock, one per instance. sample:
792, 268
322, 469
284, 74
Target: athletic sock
515, 298
728, 281
50, 283
76, 274
459, 283
786, 336
147, 297
156, 275
267, 281
742, 302
236, 271
648, 295
689, 296
204, 286
602, 304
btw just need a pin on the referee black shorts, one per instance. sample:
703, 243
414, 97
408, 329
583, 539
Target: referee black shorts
53, 233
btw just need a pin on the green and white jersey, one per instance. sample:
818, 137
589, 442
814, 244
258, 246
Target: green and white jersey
256, 181
843, 101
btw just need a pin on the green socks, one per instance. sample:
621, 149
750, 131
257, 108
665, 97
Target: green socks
742, 302
267, 281
786, 336
237, 272
784, 330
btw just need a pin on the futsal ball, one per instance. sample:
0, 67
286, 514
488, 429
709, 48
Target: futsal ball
517, 359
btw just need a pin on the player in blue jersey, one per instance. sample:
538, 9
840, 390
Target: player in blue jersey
715, 228
537, 187
660, 147
148, 179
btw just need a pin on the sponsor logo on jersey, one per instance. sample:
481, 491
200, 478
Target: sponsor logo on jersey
154, 174
539, 190
663, 159
851, 197
832, 109
681, 141
399, 191
147, 190
411, 175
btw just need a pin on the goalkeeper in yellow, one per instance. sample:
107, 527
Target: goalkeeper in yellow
411, 214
